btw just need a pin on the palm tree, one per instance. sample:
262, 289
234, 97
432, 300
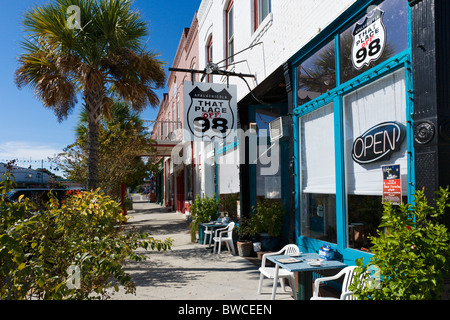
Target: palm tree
104, 59
122, 138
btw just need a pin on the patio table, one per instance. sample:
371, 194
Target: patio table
304, 270
213, 225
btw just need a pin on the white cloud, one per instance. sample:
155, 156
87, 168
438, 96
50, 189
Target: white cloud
27, 150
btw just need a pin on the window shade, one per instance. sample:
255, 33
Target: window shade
381, 101
228, 163
317, 151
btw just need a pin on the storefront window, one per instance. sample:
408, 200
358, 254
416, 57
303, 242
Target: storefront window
377, 36
370, 113
268, 171
317, 74
318, 179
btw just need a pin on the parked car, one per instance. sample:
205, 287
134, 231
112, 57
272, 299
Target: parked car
39, 196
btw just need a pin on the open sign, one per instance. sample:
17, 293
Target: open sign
378, 143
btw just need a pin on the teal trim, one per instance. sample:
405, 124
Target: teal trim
341, 195
337, 54
227, 147
371, 75
296, 159
216, 171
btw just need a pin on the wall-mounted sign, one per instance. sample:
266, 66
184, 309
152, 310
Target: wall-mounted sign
369, 39
210, 111
378, 143
392, 184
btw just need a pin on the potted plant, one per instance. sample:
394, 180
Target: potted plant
247, 231
269, 216
203, 210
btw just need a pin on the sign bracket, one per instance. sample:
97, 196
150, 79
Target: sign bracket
213, 72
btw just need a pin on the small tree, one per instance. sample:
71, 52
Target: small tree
203, 210
39, 249
122, 139
411, 253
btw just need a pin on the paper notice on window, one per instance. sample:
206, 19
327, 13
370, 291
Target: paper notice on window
392, 184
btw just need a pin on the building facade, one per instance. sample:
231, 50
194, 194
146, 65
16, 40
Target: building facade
361, 89
26, 178
175, 180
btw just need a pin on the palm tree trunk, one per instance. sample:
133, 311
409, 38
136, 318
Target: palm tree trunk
93, 105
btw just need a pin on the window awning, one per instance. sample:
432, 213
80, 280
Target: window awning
162, 148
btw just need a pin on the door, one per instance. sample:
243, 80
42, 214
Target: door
180, 192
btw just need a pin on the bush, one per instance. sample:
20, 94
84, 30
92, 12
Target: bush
39, 250
411, 254
203, 210
269, 215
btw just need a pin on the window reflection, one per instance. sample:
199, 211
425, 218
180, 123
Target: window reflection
395, 21
317, 74
268, 186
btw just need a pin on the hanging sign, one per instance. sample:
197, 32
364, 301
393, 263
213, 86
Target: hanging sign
369, 39
392, 184
210, 112
378, 143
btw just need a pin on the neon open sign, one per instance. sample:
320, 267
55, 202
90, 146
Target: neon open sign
378, 143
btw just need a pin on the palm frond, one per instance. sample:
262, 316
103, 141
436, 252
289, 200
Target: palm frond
122, 27
41, 70
135, 76
58, 62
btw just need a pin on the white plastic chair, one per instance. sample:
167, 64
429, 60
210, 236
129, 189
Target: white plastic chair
269, 272
209, 230
346, 294
224, 235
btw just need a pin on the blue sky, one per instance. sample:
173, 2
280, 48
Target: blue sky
28, 131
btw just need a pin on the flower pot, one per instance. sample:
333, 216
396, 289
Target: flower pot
244, 248
268, 243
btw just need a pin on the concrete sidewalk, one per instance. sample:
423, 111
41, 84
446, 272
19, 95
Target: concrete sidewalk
189, 271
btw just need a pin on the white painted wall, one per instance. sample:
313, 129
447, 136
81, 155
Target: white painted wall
290, 26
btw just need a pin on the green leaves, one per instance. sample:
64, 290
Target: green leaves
412, 252
203, 210
87, 232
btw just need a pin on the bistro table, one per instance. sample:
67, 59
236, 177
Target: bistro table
210, 225
304, 270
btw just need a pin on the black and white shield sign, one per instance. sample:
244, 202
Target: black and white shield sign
210, 111
369, 39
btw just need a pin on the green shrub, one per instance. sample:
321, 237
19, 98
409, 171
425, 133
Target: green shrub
411, 252
269, 215
86, 232
203, 210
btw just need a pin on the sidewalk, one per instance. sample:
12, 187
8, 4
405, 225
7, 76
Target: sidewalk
189, 271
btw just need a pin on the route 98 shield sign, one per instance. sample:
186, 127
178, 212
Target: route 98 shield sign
369, 39
210, 111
